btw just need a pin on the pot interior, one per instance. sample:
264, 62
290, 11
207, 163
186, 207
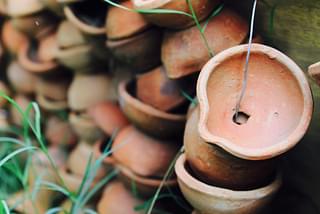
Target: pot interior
91, 12
270, 110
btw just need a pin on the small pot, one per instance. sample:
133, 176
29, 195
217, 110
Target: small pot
155, 89
54, 6
145, 186
11, 38
184, 52
89, 17
85, 128
59, 132
80, 95
54, 88
109, 117
18, 8
121, 24
201, 8
78, 160
141, 52
207, 199
37, 25
143, 155
314, 72
268, 127
152, 121
21, 80
51, 105
32, 58
118, 200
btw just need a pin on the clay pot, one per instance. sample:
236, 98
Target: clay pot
109, 117
59, 132
314, 72
117, 199
50, 105
74, 51
143, 155
150, 120
54, 5
39, 58
121, 24
141, 52
155, 89
89, 17
184, 52
20, 79
23, 7
11, 38
37, 25
201, 8
80, 95
267, 129
54, 88
78, 160
146, 186
208, 199
85, 128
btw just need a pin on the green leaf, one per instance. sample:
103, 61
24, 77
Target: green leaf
5, 207
16, 152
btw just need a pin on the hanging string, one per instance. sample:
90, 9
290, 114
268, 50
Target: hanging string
245, 76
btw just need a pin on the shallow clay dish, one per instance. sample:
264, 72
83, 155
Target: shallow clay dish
152, 121
202, 9
208, 199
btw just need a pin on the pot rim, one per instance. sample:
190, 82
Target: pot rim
147, 109
150, 4
213, 191
249, 153
81, 25
50, 104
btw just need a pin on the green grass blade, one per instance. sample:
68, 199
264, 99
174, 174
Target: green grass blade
16, 152
5, 207
213, 14
54, 210
90, 211
54, 187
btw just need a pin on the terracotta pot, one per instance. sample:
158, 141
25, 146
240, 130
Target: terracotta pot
18, 8
143, 155
54, 88
109, 117
122, 24
37, 25
69, 35
184, 52
155, 89
201, 8
59, 132
21, 80
89, 17
314, 72
78, 160
141, 52
269, 128
31, 57
119, 72
115, 194
152, 121
146, 186
55, 6
85, 128
213, 165
11, 38
4, 89
208, 199
51, 105
80, 95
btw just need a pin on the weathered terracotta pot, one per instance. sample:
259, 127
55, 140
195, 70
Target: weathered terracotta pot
32, 56
89, 17
109, 117
50, 105
208, 199
116, 194
141, 52
59, 132
122, 24
155, 89
78, 160
152, 121
184, 52
314, 72
80, 92
85, 128
146, 186
18, 8
74, 51
268, 127
11, 38
21, 80
143, 155
201, 8
54, 88
37, 25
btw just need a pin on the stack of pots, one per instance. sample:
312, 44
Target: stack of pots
230, 161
